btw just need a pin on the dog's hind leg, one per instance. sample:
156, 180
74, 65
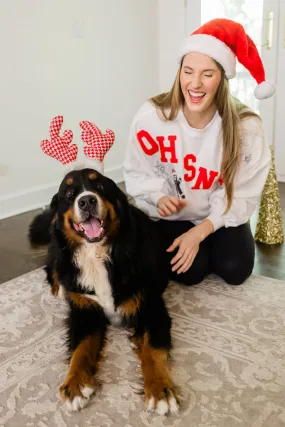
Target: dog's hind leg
153, 348
87, 330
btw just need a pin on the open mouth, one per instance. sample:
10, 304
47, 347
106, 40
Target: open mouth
196, 97
92, 229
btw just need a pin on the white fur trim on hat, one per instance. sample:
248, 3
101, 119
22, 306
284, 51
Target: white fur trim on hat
264, 90
213, 47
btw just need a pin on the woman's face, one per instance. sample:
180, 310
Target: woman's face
199, 79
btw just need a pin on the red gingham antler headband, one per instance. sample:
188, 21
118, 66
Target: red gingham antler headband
59, 146
97, 143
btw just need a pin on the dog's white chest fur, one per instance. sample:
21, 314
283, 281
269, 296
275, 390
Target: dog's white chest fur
90, 259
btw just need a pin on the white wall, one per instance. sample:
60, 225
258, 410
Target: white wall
87, 60
172, 30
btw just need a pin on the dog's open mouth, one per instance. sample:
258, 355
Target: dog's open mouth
92, 229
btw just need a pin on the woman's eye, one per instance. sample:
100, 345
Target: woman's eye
208, 75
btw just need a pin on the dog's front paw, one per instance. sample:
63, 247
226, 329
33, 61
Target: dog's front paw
76, 395
58, 291
162, 402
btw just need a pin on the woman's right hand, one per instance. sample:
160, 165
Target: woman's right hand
168, 205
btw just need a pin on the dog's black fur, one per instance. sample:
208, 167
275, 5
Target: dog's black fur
135, 264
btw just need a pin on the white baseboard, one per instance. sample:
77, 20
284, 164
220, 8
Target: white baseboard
39, 197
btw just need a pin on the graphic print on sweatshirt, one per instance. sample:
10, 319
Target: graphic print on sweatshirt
177, 182
160, 171
197, 177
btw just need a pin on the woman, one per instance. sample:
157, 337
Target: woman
197, 159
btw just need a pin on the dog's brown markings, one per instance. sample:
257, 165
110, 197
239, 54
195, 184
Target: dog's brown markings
92, 176
69, 181
81, 301
72, 237
114, 220
111, 210
82, 367
156, 371
131, 306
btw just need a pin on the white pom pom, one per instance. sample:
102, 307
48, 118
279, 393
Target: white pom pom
264, 90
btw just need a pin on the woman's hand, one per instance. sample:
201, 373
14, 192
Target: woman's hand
188, 244
168, 205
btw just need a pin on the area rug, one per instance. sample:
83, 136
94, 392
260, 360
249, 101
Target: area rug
228, 359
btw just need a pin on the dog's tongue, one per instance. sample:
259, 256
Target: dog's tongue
92, 228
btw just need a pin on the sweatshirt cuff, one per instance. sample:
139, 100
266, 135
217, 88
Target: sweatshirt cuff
218, 221
156, 196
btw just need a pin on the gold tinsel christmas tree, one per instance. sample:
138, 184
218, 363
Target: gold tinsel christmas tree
269, 227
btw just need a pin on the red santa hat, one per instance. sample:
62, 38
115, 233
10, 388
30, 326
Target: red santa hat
225, 40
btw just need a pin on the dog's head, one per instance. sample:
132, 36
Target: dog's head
88, 207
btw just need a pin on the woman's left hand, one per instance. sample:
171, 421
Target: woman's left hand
188, 244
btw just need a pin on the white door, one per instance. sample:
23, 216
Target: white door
260, 20
279, 136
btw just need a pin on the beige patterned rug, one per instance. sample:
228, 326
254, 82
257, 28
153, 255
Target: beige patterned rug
228, 359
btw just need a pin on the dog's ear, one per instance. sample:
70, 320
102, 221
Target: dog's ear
40, 227
125, 246
123, 206
54, 203
53, 207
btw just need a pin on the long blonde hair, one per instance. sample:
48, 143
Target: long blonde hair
231, 111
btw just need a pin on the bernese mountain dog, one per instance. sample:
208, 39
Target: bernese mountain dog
106, 257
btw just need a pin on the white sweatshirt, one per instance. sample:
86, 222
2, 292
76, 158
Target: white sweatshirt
171, 158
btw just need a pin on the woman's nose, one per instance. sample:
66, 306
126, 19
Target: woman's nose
196, 81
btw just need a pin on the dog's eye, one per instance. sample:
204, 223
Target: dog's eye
69, 193
99, 186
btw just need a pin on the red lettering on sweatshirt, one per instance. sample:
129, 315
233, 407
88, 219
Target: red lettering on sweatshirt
204, 180
220, 180
152, 147
188, 159
167, 149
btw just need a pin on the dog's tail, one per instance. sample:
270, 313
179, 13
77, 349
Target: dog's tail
40, 228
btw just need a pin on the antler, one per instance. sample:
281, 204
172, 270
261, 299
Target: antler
98, 143
59, 146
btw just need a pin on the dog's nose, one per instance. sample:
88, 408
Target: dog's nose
87, 203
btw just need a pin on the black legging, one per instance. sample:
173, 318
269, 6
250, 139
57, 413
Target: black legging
228, 252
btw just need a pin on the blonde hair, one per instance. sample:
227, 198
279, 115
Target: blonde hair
231, 111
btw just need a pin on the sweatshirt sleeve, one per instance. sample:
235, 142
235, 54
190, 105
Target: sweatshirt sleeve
249, 180
141, 181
